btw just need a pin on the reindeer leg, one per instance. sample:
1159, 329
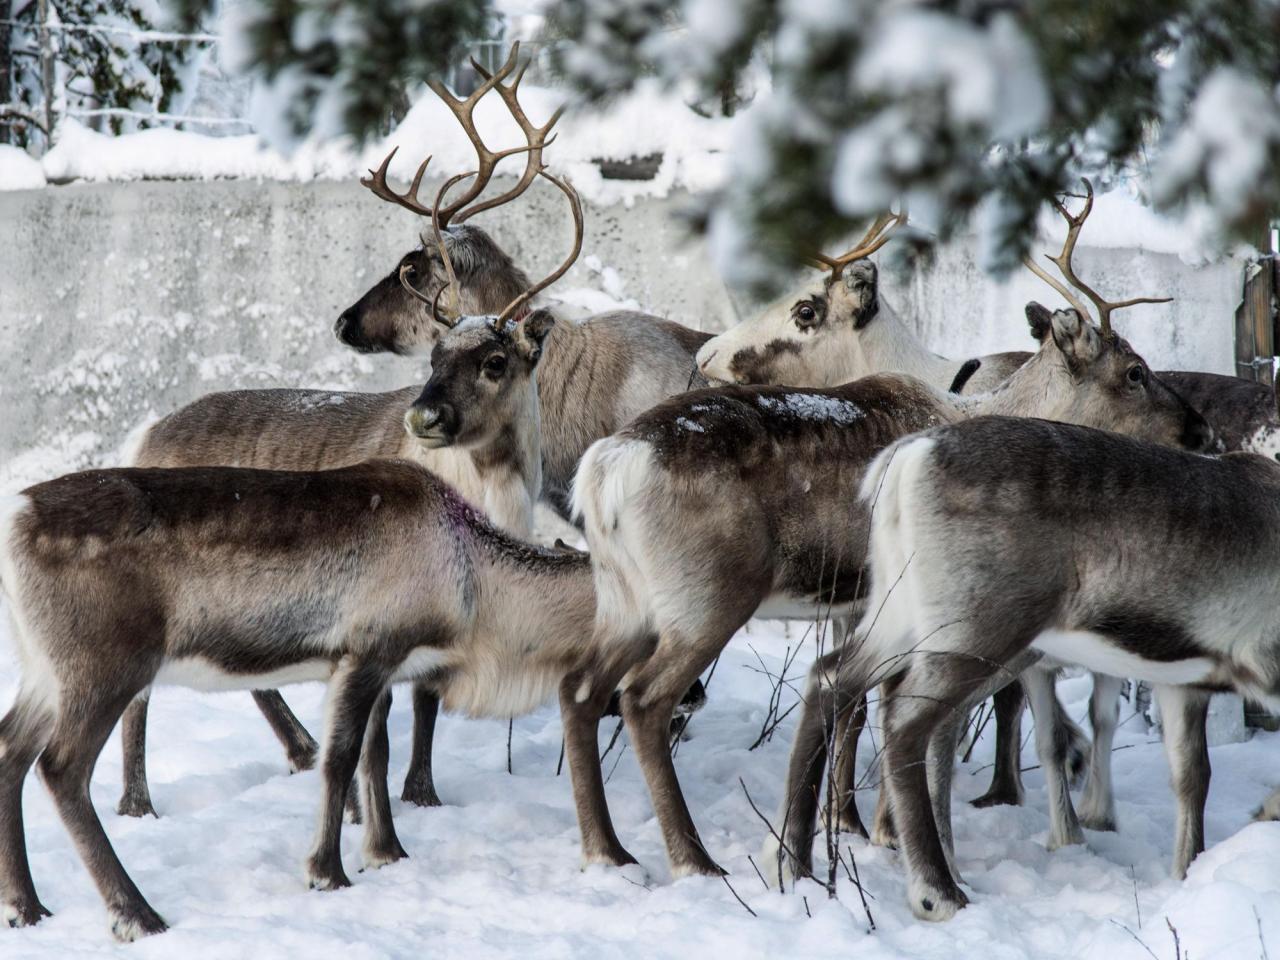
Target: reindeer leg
299, 746
647, 704
797, 819
846, 774
940, 765
1098, 806
581, 719
66, 766
23, 733
419, 785
1052, 743
1182, 714
884, 832
353, 690
135, 799
918, 704
1006, 780
381, 845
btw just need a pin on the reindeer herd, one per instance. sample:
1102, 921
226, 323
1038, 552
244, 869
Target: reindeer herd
970, 527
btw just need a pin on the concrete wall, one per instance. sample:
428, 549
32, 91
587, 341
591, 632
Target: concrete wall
121, 302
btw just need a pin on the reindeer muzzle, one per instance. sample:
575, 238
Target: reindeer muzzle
431, 425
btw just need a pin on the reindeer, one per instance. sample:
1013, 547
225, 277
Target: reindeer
806, 348
997, 537
362, 575
631, 360
724, 504
489, 450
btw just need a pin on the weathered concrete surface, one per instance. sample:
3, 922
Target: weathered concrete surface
124, 301
121, 302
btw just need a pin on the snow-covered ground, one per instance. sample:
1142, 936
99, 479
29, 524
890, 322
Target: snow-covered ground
495, 872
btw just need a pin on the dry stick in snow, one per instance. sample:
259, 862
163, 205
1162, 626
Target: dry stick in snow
1140, 941
1177, 943
511, 722
735, 895
1134, 877
1261, 942
766, 882
782, 847
862, 894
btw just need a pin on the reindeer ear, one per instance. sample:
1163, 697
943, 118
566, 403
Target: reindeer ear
1075, 337
533, 331
862, 280
1040, 320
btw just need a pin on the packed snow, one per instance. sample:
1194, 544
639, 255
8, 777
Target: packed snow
813, 406
495, 872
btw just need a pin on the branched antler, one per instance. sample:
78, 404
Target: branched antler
575, 205
880, 232
450, 317
1064, 264
487, 160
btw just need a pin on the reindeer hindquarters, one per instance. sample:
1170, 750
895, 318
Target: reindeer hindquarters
1182, 712
65, 766
353, 690
135, 798
419, 781
23, 734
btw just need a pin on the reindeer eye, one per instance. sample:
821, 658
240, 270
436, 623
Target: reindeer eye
1137, 374
805, 314
496, 365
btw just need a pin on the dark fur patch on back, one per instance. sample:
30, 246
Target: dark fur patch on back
967, 370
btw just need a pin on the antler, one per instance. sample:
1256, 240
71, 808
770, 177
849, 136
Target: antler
455, 291
464, 111
1063, 262
880, 232
575, 204
536, 137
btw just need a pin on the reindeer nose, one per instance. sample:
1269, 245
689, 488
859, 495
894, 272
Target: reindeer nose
421, 421
347, 329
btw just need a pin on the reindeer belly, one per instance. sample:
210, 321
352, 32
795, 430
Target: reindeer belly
204, 673
1103, 654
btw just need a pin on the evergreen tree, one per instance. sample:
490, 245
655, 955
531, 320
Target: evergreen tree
106, 56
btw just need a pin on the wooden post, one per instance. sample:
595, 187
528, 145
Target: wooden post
1256, 322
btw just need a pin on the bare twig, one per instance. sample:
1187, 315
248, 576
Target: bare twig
1137, 938
511, 722
725, 878
862, 894
1177, 942
757, 870
1134, 877
1261, 942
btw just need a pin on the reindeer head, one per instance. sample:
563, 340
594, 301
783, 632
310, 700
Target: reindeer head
384, 319
815, 338
1086, 376
389, 319
482, 367
482, 370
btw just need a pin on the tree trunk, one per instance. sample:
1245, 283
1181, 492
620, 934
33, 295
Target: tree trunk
46, 68
6, 65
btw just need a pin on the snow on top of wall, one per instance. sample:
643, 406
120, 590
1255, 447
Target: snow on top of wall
19, 171
649, 122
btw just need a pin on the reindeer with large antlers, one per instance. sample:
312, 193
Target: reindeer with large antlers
600, 372
233, 578
489, 451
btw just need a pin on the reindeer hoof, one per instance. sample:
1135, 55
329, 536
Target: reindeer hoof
998, 797
1105, 822
326, 877
846, 821
420, 792
25, 913
386, 853
929, 902
698, 866
303, 758
136, 805
134, 923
